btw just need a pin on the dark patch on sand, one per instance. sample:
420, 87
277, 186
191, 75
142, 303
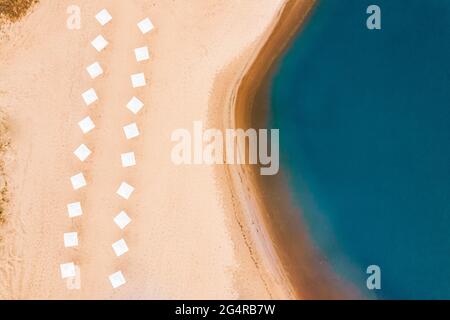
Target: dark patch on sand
13, 10
5, 143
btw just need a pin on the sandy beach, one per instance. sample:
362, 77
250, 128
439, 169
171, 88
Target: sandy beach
195, 232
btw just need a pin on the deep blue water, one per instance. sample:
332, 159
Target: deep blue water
364, 120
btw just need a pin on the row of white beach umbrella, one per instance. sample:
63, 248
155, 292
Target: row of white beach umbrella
78, 181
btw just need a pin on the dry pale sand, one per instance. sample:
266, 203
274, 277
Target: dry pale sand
185, 239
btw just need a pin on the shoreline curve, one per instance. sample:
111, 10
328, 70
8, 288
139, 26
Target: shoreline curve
272, 222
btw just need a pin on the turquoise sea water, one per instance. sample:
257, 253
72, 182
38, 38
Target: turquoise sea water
364, 120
